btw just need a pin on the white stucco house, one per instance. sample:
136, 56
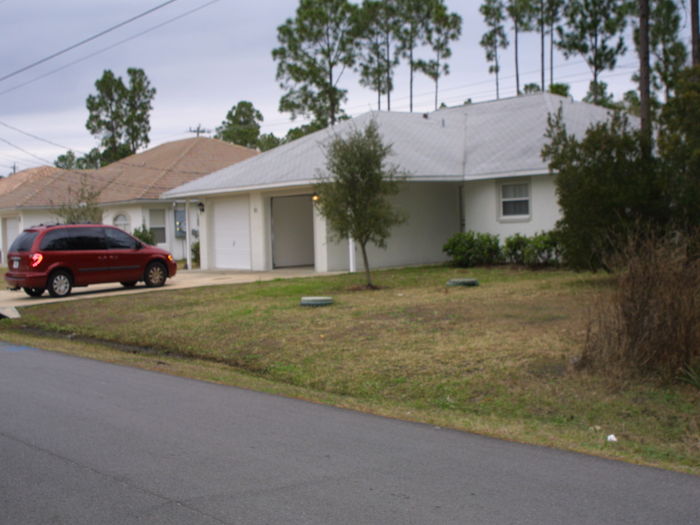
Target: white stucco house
129, 191
473, 167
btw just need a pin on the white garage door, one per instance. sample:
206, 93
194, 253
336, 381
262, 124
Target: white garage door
231, 234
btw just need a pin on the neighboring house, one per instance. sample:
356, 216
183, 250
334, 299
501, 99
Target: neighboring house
129, 191
473, 167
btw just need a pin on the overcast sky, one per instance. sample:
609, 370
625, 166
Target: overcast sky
202, 64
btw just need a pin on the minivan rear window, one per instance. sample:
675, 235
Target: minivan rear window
23, 242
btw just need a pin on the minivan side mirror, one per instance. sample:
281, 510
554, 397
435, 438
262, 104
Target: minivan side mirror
139, 245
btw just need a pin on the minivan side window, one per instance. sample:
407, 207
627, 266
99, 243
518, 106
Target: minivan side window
118, 240
23, 242
74, 239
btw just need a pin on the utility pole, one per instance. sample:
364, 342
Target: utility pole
199, 130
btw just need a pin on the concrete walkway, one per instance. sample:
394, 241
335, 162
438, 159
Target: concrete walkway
183, 279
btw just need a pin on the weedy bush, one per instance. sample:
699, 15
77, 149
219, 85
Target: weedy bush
514, 248
650, 324
473, 249
691, 375
194, 249
542, 249
144, 234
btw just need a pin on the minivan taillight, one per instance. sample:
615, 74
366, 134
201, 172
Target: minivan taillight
36, 259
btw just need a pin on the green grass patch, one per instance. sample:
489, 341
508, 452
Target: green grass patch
493, 359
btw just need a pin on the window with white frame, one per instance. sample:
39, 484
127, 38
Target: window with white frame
157, 225
121, 221
515, 199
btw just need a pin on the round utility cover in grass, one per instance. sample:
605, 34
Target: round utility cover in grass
462, 282
316, 301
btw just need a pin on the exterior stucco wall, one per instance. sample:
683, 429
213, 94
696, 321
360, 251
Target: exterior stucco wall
134, 214
482, 204
432, 210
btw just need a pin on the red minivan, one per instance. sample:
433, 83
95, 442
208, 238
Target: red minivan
56, 258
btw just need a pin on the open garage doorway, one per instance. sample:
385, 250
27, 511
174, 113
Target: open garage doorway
292, 231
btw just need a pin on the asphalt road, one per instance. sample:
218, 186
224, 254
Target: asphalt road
84, 442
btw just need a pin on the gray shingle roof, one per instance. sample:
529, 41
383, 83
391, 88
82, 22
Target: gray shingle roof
486, 140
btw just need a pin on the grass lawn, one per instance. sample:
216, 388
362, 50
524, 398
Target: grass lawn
495, 359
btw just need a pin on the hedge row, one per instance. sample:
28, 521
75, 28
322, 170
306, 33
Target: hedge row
478, 249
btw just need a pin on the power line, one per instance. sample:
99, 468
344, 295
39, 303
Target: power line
85, 41
108, 48
25, 151
47, 141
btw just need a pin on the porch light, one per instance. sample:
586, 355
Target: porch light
315, 197
201, 207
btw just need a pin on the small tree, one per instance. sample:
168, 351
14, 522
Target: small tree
81, 206
354, 193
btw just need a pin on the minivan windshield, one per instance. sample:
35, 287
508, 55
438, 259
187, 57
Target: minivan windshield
23, 243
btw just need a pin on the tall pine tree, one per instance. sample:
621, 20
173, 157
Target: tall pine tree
316, 47
495, 38
594, 30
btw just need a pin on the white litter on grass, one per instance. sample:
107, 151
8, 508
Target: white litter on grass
612, 439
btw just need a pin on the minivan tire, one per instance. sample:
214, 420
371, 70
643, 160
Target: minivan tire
59, 284
155, 275
33, 292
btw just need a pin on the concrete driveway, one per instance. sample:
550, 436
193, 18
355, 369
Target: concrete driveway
183, 279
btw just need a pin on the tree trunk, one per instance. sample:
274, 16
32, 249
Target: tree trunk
551, 54
437, 77
517, 69
365, 260
331, 98
388, 74
644, 98
410, 89
542, 30
695, 30
497, 87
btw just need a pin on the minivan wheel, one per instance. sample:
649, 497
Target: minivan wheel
59, 284
155, 275
33, 292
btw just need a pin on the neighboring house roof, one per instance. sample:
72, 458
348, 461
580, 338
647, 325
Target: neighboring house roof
148, 174
143, 176
496, 139
44, 186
